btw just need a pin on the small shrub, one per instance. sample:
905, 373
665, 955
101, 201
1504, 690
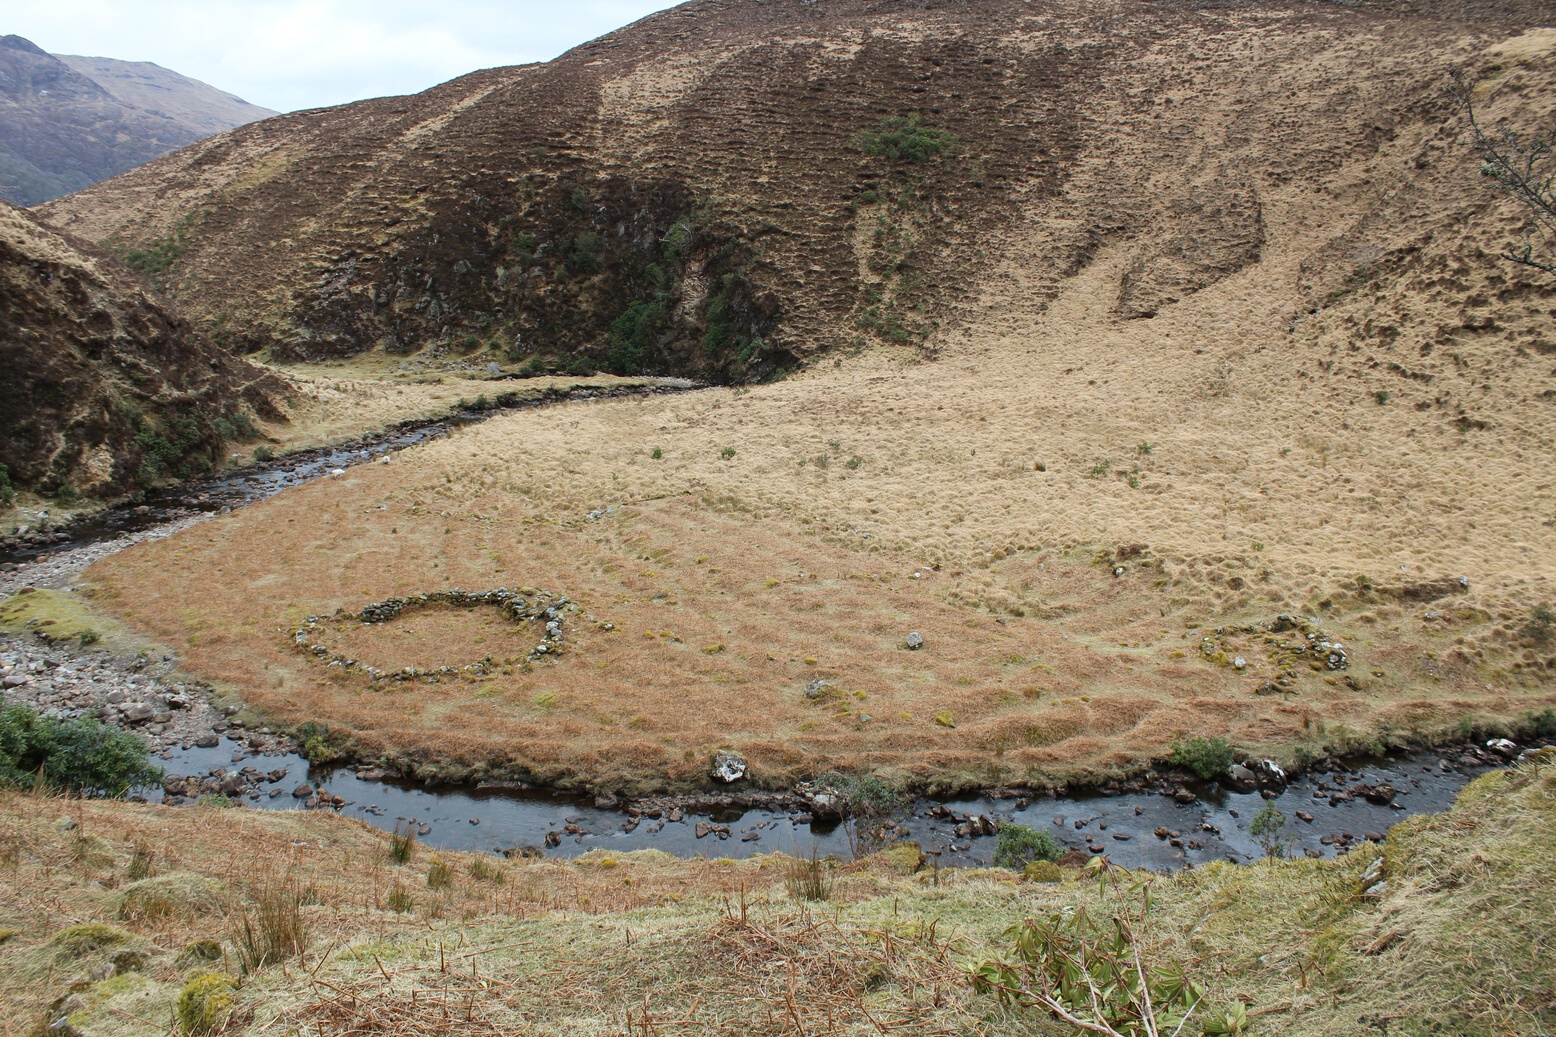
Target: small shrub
80, 755
1266, 827
439, 874
264, 454
7, 491
1538, 629
727, 453
1207, 757
321, 745
1101, 468
1092, 975
903, 138
274, 931
87, 637
656, 453
807, 878
1020, 845
1381, 396
205, 1004
1143, 449
66, 494
853, 463
402, 844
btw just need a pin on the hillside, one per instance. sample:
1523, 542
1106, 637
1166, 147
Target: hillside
106, 388
67, 122
1204, 328
691, 188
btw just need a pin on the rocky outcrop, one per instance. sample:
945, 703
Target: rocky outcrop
104, 387
68, 122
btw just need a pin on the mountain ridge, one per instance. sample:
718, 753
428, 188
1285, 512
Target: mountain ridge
68, 122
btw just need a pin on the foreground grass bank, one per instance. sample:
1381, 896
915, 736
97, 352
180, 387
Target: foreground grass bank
124, 917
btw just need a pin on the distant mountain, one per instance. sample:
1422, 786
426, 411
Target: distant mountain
68, 122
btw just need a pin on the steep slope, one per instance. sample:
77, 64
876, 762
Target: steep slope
690, 194
106, 388
69, 122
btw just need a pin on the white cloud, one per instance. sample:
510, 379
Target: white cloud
290, 54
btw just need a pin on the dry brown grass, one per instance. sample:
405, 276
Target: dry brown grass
1236, 437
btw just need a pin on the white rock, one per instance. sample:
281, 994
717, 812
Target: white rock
728, 766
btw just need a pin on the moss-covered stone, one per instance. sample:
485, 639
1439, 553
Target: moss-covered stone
205, 1003
1042, 871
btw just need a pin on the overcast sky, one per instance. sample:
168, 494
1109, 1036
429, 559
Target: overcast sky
291, 54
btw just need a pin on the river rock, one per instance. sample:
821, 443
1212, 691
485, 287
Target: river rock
825, 806
1378, 795
1241, 778
1503, 747
303, 791
207, 741
728, 766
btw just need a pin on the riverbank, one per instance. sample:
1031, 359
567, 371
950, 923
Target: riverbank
110, 909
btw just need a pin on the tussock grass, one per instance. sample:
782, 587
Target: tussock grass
402, 844
271, 928
808, 879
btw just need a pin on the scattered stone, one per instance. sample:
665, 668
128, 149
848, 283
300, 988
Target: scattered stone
914, 641
817, 689
1503, 747
302, 791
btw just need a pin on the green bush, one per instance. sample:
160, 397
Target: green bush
264, 454
7, 491
631, 335
82, 755
902, 138
1020, 845
1208, 757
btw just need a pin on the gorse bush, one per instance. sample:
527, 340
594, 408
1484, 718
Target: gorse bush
80, 755
1020, 845
903, 138
1207, 757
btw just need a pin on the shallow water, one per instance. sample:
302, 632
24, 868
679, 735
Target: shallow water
495, 820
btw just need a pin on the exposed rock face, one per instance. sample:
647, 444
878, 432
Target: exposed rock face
67, 122
688, 195
102, 385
